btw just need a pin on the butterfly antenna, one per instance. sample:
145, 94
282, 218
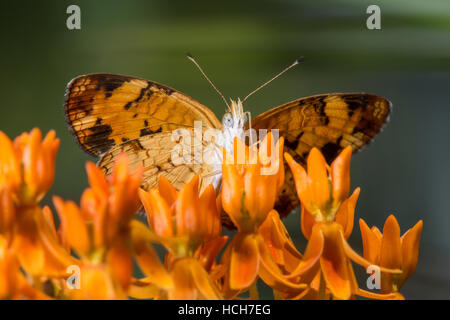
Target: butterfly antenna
296, 62
190, 57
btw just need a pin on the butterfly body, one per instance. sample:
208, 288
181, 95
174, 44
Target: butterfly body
233, 124
110, 114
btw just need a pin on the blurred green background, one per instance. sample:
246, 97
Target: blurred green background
240, 44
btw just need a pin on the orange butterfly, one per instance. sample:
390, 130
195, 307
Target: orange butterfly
110, 114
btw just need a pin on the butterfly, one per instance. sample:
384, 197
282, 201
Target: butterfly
109, 114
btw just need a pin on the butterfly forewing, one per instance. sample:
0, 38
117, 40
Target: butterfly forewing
105, 110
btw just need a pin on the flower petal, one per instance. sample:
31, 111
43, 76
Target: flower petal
184, 285
334, 264
391, 247
208, 253
307, 222
371, 243
73, 226
96, 284
317, 172
302, 181
120, 261
146, 256
57, 257
27, 246
380, 296
260, 194
346, 213
188, 218
10, 172
410, 250
203, 282
340, 175
9, 270
143, 289
273, 238
232, 192
7, 209
272, 275
210, 218
244, 261
159, 215
279, 243
167, 191
309, 266
97, 179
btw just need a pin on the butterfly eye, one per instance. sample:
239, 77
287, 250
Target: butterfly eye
227, 120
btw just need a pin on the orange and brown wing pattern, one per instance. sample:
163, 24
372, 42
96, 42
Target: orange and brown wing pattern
329, 122
105, 110
162, 154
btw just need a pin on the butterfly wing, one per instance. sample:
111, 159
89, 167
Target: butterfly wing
172, 156
106, 110
329, 122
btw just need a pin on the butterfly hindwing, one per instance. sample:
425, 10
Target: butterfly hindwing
163, 154
329, 122
106, 110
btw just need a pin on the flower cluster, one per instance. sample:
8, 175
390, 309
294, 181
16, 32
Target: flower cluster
86, 250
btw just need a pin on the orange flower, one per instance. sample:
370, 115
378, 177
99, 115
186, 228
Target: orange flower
279, 242
97, 283
191, 281
344, 216
188, 225
100, 230
196, 277
12, 282
183, 219
27, 169
249, 190
28, 165
329, 253
37, 247
246, 257
307, 268
251, 180
111, 203
321, 188
390, 250
157, 282
327, 221
207, 254
26, 174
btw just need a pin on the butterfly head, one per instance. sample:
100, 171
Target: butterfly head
235, 117
233, 123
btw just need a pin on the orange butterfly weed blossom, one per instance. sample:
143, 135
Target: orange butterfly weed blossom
141, 130
105, 237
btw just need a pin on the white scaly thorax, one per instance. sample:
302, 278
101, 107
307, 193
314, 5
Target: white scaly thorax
234, 128
233, 123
